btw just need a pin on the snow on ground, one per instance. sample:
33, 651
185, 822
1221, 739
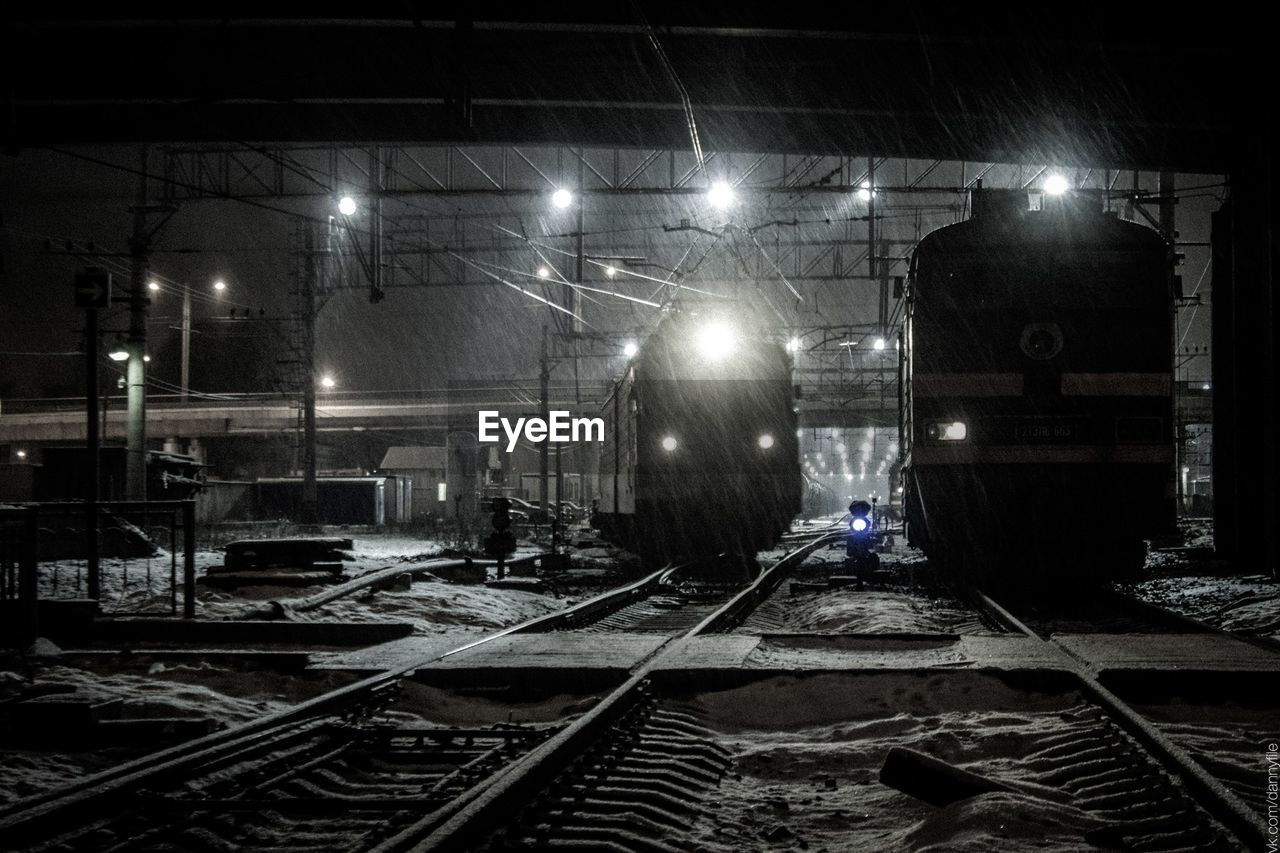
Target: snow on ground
188, 690
808, 752
435, 607
1247, 604
1228, 739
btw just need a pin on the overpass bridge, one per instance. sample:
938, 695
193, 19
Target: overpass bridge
63, 420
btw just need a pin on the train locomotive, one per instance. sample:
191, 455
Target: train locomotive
1036, 365
700, 455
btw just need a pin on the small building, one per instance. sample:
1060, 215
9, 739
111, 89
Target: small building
426, 468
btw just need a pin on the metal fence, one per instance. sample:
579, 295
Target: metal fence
134, 558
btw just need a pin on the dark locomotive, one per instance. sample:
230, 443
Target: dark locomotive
1037, 417
700, 454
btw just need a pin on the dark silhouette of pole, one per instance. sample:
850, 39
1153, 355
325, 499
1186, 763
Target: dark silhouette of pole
310, 501
94, 441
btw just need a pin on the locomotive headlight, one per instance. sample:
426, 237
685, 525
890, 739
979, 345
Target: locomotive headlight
716, 341
946, 431
858, 525
765, 441
669, 443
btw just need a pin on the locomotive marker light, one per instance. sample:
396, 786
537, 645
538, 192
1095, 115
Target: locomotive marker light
559, 429
946, 431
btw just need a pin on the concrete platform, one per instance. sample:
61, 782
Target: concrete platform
862, 652
559, 651
1185, 652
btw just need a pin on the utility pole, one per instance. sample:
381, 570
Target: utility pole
186, 342
309, 498
93, 292
136, 346
95, 448
544, 411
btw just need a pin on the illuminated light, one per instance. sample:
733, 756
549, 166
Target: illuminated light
562, 198
669, 443
800, 433
955, 431
543, 272
629, 349
1056, 184
327, 381
147, 359
153, 286
611, 271
346, 205
858, 524
22, 454
219, 285
1186, 470
720, 195
865, 192
879, 345
716, 341
848, 476
765, 441
1206, 386
118, 355
899, 490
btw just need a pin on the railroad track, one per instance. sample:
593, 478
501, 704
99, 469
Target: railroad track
304, 777
1119, 612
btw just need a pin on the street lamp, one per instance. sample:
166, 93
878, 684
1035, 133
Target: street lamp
219, 285
118, 354
629, 349
562, 198
720, 195
326, 381
346, 205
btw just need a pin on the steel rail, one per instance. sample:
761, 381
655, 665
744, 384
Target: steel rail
1208, 791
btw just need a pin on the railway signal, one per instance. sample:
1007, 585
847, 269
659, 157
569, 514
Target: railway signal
502, 541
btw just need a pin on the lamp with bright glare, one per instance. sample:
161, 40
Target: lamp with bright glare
669, 443
610, 271
562, 198
1056, 184
765, 441
879, 345
793, 345
346, 205
716, 340
118, 354
153, 285
865, 192
629, 349
720, 195
219, 285
22, 454
543, 272
327, 381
